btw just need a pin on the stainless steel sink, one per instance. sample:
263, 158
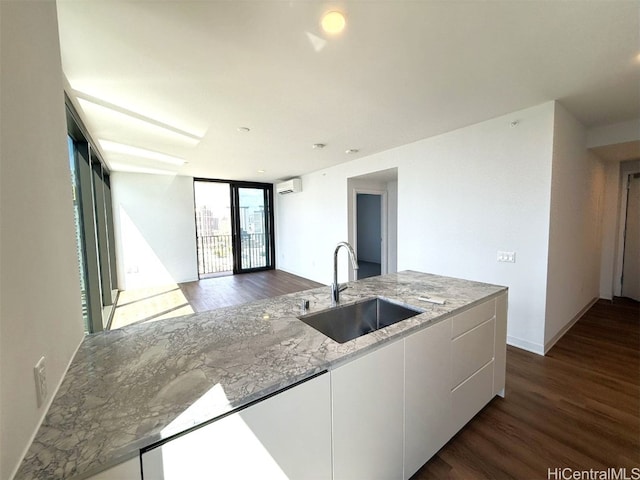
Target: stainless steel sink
346, 322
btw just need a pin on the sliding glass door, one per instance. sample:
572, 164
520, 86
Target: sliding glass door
234, 227
91, 184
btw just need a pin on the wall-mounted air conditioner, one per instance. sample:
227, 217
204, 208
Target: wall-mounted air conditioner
293, 185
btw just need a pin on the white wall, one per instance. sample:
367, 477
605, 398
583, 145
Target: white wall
40, 312
154, 223
461, 197
577, 197
610, 227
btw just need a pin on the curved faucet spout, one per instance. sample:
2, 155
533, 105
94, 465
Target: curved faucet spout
335, 287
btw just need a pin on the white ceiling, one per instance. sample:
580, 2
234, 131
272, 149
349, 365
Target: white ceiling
179, 77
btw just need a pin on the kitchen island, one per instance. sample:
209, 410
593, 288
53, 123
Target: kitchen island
135, 389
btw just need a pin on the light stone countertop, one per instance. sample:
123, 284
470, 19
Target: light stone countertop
127, 389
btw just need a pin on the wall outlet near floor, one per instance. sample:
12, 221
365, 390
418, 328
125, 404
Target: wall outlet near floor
508, 257
40, 374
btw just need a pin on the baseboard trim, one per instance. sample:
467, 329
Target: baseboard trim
525, 345
548, 345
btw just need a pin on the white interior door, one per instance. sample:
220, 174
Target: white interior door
631, 258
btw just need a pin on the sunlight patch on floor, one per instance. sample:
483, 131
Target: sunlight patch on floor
150, 304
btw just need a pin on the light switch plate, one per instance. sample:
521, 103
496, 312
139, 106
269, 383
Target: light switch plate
508, 257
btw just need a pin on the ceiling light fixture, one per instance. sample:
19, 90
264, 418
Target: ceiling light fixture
351, 151
115, 147
244, 129
261, 171
333, 22
319, 146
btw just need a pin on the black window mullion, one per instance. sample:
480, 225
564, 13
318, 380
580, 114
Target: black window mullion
110, 232
101, 234
94, 296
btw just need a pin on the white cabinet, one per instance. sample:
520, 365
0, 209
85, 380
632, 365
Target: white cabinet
428, 424
478, 354
129, 470
286, 436
500, 357
471, 351
452, 370
367, 395
471, 395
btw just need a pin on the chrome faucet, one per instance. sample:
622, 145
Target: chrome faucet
336, 288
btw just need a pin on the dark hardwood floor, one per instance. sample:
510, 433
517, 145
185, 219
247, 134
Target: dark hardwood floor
577, 407
212, 293
168, 301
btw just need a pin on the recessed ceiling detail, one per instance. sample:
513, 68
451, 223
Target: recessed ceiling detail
404, 72
115, 147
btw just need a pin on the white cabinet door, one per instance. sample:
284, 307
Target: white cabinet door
470, 396
471, 351
499, 369
428, 424
287, 436
368, 422
129, 470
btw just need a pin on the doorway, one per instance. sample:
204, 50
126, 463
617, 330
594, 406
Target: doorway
234, 227
369, 245
374, 238
631, 253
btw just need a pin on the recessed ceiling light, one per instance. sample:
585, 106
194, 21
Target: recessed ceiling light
115, 147
260, 171
333, 22
319, 146
351, 151
244, 129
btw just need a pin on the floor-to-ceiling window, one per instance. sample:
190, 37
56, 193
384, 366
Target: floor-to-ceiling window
234, 226
94, 225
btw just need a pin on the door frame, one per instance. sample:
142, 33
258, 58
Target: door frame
384, 230
235, 227
625, 209
624, 175
270, 248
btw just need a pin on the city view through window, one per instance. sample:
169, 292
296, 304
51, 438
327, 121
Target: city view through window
216, 223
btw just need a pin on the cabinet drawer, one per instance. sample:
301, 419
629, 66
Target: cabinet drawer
473, 394
473, 317
471, 351
285, 437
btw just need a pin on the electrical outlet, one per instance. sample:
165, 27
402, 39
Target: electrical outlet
508, 257
40, 374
